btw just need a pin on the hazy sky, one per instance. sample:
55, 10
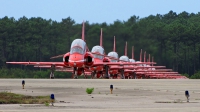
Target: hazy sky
94, 11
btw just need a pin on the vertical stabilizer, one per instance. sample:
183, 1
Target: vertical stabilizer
132, 52
145, 56
149, 58
114, 49
152, 61
83, 31
141, 55
101, 38
125, 50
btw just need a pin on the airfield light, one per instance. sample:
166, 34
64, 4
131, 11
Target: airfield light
23, 83
52, 99
187, 95
111, 88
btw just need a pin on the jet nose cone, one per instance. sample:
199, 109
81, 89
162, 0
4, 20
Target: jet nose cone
76, 60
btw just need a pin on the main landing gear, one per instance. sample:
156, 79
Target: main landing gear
84, 74
52, 71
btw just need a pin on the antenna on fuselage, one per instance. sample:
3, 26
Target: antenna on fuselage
83, 31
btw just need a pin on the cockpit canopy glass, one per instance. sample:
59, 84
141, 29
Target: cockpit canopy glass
98, 49
114, 55
76, 49
78, 46
98, 56
132, 60
124, 58
80, 43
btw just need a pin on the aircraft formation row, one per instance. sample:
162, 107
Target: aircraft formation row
80, 61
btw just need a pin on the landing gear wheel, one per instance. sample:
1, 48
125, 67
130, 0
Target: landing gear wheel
115, 76
134, 75
75, 73
76, 77
93, 74
84, 74
51, 77
122, 74
106, 75
52, 71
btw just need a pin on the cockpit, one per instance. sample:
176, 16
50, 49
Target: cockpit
138, 64
78, 46
132, 60
98, 50
124, 58
114, 55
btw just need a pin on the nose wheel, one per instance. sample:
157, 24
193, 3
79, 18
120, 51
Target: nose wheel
122, 74
93, 74
75, 73
106, 74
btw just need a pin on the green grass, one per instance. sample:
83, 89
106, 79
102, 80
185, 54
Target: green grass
12, 98
89, 90
46, 103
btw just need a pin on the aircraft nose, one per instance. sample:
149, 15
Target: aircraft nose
77, 57
76, 60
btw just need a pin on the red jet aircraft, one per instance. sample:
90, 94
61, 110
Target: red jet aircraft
79, 58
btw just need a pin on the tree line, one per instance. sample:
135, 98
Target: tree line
172, 39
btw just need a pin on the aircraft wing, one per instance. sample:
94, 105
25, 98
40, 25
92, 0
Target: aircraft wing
71, 70
49, 66
38, 63
116, 63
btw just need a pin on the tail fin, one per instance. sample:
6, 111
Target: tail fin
83, 31
149, 58
101, 38
141, 55
125, 49
145, 56
132, 52
114, 49
152, 61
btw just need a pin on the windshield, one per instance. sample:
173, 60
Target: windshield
132, 60
78, 42
98, 49
98, 56
76, 50
113, 60
124, 58
113, 54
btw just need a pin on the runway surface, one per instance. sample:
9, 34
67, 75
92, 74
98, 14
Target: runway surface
134, 95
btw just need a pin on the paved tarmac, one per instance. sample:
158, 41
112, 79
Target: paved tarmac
134, 95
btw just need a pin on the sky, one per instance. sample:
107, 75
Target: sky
94, 11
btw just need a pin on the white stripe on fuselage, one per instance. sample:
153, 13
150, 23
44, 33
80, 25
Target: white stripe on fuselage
76, 61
